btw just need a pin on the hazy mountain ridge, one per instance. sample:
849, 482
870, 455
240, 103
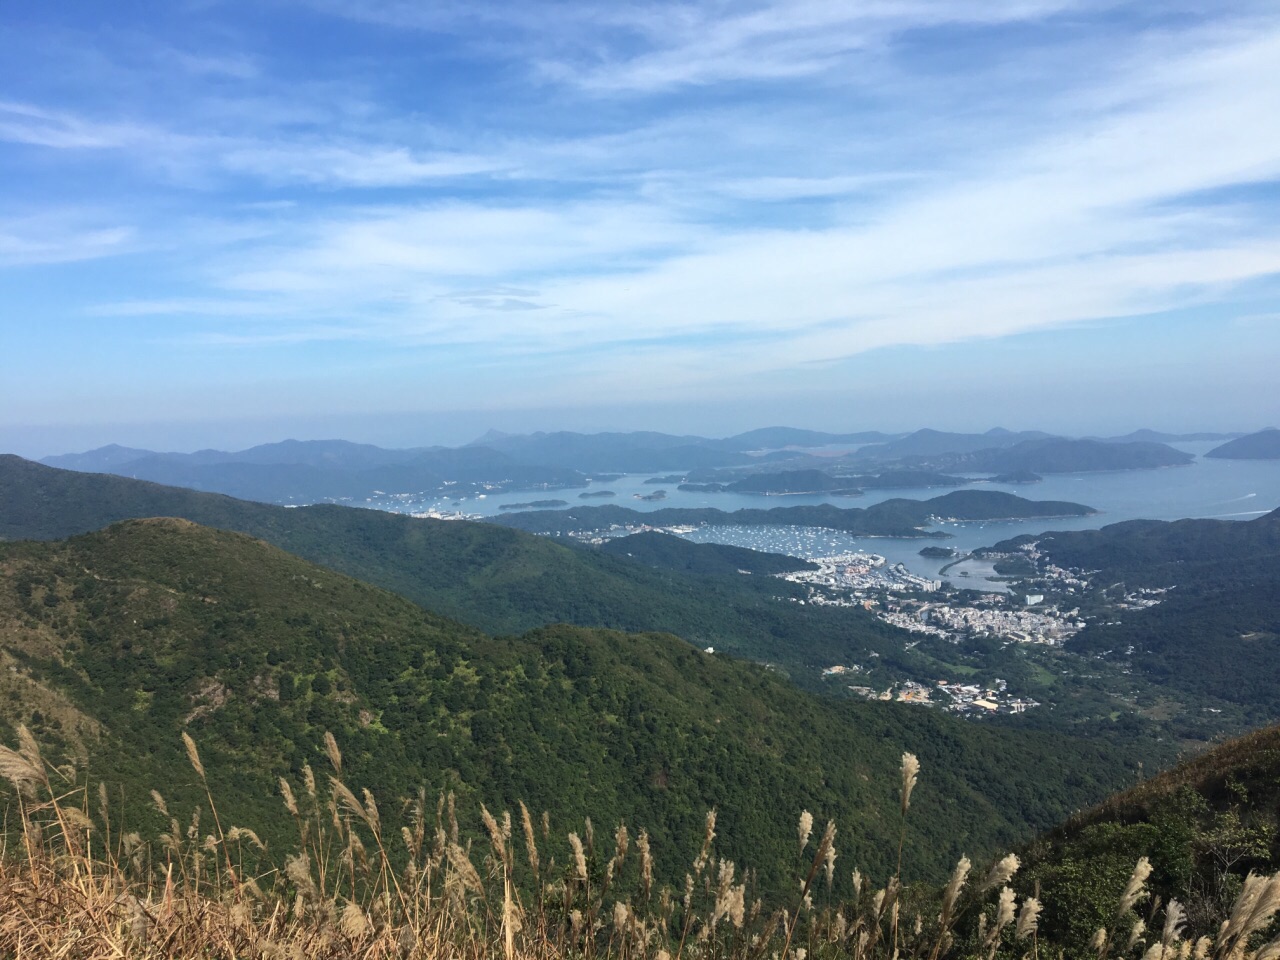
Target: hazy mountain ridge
1263, 445
1061, 455
293, 471
930, 443
319, 470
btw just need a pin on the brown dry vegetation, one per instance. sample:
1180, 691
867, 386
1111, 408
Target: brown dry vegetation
73, 885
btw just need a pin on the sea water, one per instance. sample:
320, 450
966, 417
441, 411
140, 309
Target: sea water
1226, 489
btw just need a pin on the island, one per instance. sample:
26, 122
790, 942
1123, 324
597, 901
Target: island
892, 518
534, 505
939, 553
1263, 445
595, 494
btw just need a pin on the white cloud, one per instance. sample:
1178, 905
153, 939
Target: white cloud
655, 46
59, 238
1090, 222
358, 165
29, 124
838, 213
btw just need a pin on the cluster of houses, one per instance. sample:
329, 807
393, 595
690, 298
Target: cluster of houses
964, 698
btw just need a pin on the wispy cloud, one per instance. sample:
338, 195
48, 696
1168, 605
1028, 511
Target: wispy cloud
1071, 227
358, 165
28, 124
54, 238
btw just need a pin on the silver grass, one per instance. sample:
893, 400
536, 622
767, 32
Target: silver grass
805, 828
1133, 891
910, 770
1001, 873
193, 754
1135, 935
1175, 918
1028, 918
579, 856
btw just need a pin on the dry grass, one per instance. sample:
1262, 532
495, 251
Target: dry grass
69, 888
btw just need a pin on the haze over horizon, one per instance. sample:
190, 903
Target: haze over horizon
228, 223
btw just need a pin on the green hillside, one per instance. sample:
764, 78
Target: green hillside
1204, 825
497, 579
668, 552
116, 641
1208, 644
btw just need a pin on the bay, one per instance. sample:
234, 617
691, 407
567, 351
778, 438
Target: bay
1226, 489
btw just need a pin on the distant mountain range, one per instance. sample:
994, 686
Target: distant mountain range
1156, 436
1059, 455
931, 443
311, 471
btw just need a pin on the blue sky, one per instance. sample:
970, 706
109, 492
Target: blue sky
223, 223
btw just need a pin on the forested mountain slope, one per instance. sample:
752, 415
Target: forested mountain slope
1203, 825
494, 578
116, 641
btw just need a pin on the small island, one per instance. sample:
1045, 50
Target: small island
1017, 476
534, 505
592, 494
651, 497
939, 553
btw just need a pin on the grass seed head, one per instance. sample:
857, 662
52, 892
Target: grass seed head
18, 770
1001, 873
579, 855
1028, 918
910, 771
805, 828
1133, 891
193, 754
1135, 935
530, 839
290, 802
335, 755
1175, 918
